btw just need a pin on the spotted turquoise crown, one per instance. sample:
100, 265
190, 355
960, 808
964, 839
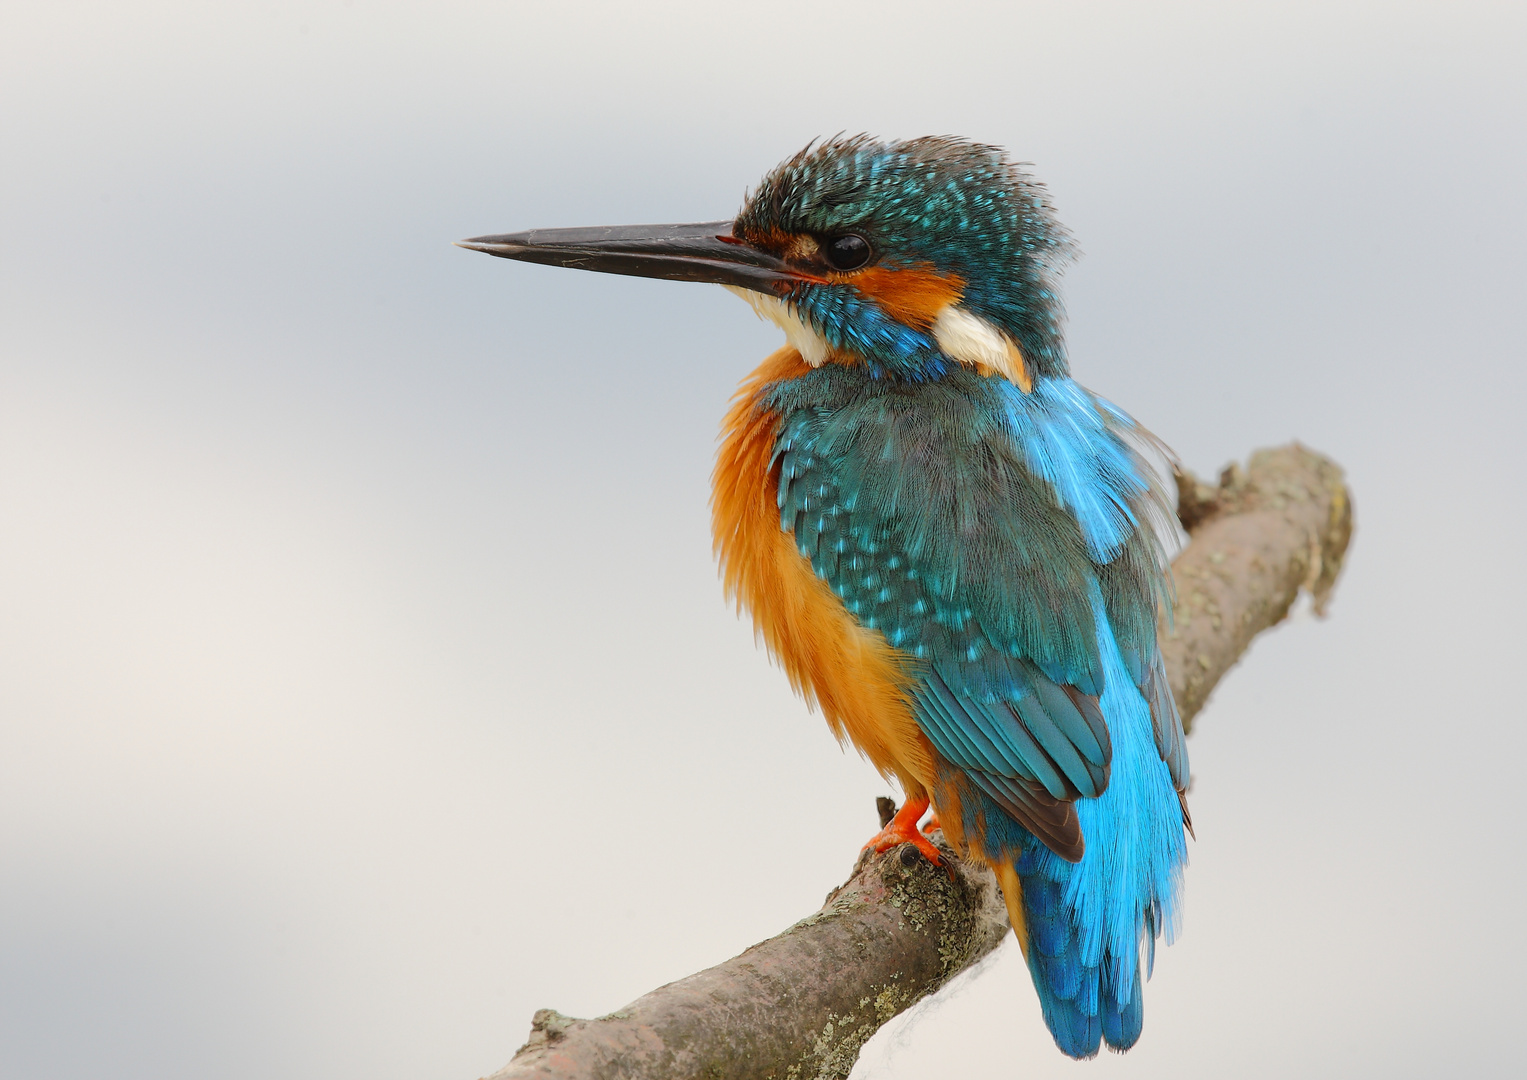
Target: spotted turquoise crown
957, 207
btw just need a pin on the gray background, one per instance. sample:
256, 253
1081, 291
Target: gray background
364, 679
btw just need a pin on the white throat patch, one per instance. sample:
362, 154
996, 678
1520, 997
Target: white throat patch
806, 341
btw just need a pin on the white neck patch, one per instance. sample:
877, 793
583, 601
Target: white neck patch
972, 340
806, 341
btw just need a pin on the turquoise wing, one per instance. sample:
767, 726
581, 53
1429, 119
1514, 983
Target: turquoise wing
928, 511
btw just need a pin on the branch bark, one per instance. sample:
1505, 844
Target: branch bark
800, 1005
1263, 535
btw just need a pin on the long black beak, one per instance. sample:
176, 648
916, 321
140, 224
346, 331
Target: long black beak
703, 252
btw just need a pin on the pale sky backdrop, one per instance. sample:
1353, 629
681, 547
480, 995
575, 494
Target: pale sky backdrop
365, 682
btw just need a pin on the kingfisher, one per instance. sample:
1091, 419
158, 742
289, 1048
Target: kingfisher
952, 549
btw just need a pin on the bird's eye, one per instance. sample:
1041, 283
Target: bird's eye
848, 252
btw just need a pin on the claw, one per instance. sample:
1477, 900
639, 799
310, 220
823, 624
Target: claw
902, 829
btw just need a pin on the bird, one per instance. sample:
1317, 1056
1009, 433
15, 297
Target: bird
956, 553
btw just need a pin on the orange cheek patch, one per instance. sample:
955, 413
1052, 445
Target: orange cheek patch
912, 295
800, 248
768, 239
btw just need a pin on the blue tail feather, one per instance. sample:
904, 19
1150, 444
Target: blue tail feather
1122, 1022
1067, 985
1062, 976
1082, 1007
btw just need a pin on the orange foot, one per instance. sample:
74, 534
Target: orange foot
902, 829
931, 826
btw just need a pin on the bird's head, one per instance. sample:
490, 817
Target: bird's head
906, 257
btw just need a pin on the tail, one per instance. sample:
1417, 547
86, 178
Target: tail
1082, 1005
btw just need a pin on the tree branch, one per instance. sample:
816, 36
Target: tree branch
1268, 532
800, 1005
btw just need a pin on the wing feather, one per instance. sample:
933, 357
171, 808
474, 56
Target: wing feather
919, 509
1053, 821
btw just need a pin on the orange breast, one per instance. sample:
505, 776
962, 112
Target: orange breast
913, 295
858, 681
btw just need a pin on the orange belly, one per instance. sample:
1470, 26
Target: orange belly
852, 674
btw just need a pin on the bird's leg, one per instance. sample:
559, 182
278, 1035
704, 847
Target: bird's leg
931, 826
902, 829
